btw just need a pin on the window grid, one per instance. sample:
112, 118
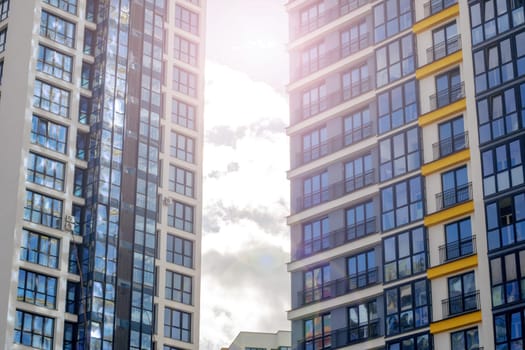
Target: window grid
505, 221
4, 9
47, 134
177, 325
391, 17
452, 137
363, 321
180, 216
407, 307
354, 39
362, 270
51, 98
186, 50
315, 190
508, 329
360, 221
459, 240
178, 287
3, 39
402, 203
186, 20
502, 168
397, 107
66, 5
314, 101
54, 63
43, 210
37, 289
57, 29
356, 82
507, 276
316, 284
318, 332
359, 173
39, 249
181, 180
399, 154
465, 339
313, 59
395, 60
315, 144
34, 330
357, 126
421, 341
316, 236
45, 171
405, 254
179, 251
184, 82
462, 295
490, 17
182, 147
183, 114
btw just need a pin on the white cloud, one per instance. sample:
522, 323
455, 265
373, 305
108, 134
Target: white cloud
245, 240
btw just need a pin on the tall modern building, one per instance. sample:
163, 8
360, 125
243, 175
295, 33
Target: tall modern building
407, 133
101, 150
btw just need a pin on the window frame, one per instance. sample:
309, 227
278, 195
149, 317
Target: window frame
51, 217
401, 19
49, 21
37, 289
397, 106
404, 60
45, 171
182, 255
181, 330
41, 338
181, 216
183, 114
49, 103
40, 249
415, 206
400, 154
184, 82
365, 210
362, 270
182, 147
405, 260
186, 20
181, 291
465, 339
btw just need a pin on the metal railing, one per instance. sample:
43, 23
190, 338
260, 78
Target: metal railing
460, 304
445, 97
434, 6
450, 145
338, 287
357, 88
454, 196
336, 238
457, 250
335, 190
443, 49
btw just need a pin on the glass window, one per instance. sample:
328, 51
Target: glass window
505, 221
405, 254
66, 5
182, 147
399, 154
179, 251
183, 114
508, 329
507, 276
407, 307
356, 82
359, 173
57, 29
315, 144
39, 249
360, 221
51, 98
445, 41
395, 60
462, 294
1, 71
42, 209
312, 17
3, 39
177, 325
449, 89
45, 171
316, 284
318, 332
313, 58
363, 321
72, 293
502, 168
315, 190
184, 82
186, 50
391, 17
180, 216
316, 236
33, 330
4, 9
422, 341
178, 287
186, 20
458, 237
465, 339
362, 270
48, 134
70, 332
492, 17
401, 203
37, 289
314, 101
181, 180
452, 137
354, 38
397, 106
456, 188
357, 126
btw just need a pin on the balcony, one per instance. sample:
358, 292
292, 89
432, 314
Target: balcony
460, 304
457, 250
446, 97
338, 287
454, 196
443, 49
333, 144
336, 238
450, 145
335, 190
329, 15
435, 6
343, 337
331, 100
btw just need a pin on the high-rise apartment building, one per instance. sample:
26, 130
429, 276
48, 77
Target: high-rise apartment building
407, 180
101, 150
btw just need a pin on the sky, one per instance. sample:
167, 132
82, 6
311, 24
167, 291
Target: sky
245, 247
